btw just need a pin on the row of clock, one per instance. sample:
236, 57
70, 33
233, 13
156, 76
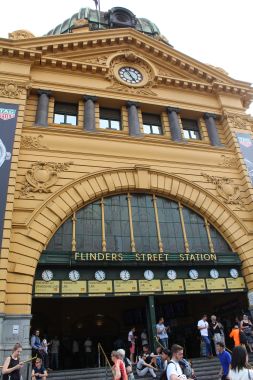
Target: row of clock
74, 275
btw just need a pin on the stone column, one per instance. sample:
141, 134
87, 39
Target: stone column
42, 108
89, 122
151, 321
133, 119
13, 329
211, 129
176, 133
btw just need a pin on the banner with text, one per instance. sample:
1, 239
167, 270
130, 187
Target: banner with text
246, 146
8, 122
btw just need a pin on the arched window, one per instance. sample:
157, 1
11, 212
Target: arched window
137, 223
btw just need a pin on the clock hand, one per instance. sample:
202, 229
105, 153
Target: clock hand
130, 75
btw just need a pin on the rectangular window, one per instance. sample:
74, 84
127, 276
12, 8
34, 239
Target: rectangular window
110, 119
191, 129
65, 113
152, 124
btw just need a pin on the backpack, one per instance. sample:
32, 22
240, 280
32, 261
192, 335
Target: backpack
186, 368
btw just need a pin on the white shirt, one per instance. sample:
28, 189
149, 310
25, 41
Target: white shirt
161, 331
174, 369
131, 336
201, 323
88, 345
241, 375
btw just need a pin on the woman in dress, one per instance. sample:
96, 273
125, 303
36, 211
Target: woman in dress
118, 368
12, 365
239, 365
246, 328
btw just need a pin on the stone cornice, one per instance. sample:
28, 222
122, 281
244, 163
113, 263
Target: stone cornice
9, 51
112, 37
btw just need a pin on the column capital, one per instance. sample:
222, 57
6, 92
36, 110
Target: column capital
90, 97
44, 92
173, 109
130, 103
208, 115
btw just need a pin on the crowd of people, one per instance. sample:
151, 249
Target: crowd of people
166, 361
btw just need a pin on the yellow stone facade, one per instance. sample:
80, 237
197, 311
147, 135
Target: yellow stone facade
99, 163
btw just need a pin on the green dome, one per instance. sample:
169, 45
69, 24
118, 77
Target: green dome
117, 17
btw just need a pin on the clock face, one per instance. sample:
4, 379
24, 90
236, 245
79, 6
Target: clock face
47, 275
130, 75
193, 274
172, 274
149, 275
234, 273
99, 275
214, 273
74, 275
124, 275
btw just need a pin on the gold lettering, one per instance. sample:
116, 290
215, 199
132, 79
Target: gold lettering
149, 257
166, 257
213, 256
181, 257
108, 257
120, 257
100, 256
77, 255
93, 256
206, 257
186, 256
197, 256
192, 257
160, 257
83, 256
114, 256
137, 257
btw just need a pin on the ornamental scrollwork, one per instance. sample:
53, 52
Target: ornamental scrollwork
21, 34
235, 120
32, 142
226, 189
10, 90
41, 177
228, 162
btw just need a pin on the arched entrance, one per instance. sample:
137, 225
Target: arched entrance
126, 259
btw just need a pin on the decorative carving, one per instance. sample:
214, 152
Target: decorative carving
10, 90
139, 62
20, 34
220, 69
41, 177
228, 162
226, 189
236, 120
97, 60
32, 142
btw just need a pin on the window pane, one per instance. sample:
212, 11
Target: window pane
151, 119
195, 231
146, 128
71, 119
195, 135
156, 129
186, 134
115, 125
104, 123
58, 119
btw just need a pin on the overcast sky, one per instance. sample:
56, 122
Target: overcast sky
217, 32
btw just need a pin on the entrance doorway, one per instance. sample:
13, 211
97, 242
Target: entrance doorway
107, 319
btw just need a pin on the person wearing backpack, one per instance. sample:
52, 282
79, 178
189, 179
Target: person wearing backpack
174, 370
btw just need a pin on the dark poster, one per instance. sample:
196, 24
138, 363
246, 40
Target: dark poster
246, 146
8, 121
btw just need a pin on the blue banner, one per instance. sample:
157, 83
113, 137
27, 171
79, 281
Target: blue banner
8, 122
246, 146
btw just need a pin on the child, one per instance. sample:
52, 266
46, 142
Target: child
235, 334
38, 371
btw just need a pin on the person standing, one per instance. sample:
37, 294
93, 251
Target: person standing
44, 345
239, 365
12, 365
225, 360
131, 341
161, 332
88, 352
55, 344
37, 349
235, 335
203, 328
215, 332
246, 327
144, 337
75, 353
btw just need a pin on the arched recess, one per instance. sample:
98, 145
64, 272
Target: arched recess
27, 244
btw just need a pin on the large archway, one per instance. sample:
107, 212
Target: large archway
27, 244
